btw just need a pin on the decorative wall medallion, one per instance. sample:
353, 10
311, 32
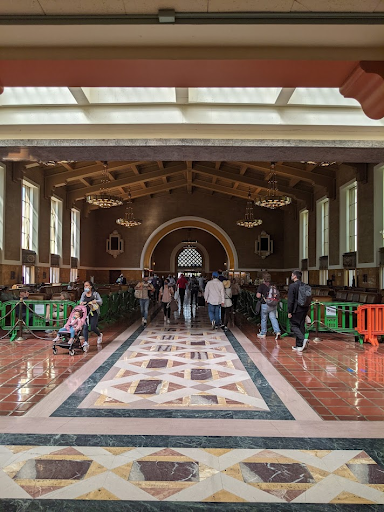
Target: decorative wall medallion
114, 244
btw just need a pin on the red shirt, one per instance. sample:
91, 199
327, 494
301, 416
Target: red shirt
182, 282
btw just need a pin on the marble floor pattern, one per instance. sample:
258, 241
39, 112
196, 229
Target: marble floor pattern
190, 474
178, 368
180, 417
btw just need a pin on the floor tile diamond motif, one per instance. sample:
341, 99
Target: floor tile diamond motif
190, 474
196, 369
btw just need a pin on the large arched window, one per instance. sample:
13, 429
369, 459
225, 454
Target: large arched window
189, 258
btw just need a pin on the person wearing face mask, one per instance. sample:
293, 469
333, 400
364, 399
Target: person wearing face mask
91, 298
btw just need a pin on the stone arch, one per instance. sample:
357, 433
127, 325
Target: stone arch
189, 222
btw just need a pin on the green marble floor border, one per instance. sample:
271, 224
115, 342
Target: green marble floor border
277, 409
179, 506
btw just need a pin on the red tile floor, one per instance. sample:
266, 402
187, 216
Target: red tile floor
340, 379
29, 370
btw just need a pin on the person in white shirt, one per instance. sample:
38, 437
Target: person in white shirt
214, 296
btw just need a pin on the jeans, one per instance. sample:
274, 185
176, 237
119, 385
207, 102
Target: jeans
71, 330
265, 312
194, 293
93, 320
144, 305
214, 312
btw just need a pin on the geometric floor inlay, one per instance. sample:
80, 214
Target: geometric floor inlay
190, 474
189, 368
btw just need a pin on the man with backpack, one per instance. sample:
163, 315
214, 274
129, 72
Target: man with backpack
269, 296
299, 299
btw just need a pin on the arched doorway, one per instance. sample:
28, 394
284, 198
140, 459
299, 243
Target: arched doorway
190, 222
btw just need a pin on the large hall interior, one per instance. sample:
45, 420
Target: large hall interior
171, 174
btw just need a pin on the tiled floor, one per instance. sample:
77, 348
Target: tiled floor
182, 418
29, 371
340, 379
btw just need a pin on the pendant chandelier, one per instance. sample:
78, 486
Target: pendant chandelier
320, 164
53, 163
128, 221
104, 199
249, 221
272, 200
189, 244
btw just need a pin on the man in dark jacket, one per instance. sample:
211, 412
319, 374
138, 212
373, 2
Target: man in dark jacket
297, 313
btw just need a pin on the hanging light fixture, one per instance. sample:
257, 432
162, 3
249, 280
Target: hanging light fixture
128, 221
104, 199
189, 244
272, 200
53, 163
249, 221
320, 164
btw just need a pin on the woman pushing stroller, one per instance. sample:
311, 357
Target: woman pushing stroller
92, 300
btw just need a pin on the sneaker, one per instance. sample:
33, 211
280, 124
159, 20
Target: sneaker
225, 328
213, 324
100, 339
305, 343
278, 336
168, 320
85, 346
295, 348
300, 349
262, 336
165, 319
143, 321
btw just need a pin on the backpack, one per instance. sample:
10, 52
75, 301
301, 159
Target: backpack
195, 285
273, 296
304, 296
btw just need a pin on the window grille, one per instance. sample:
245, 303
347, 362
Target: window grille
190, 258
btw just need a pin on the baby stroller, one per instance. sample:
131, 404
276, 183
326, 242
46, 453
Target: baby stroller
64, 337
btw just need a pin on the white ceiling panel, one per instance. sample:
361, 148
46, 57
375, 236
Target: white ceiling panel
234, 95
13, 96
121, 95
325, 96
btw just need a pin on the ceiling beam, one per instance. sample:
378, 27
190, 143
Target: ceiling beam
245, 180
59, 179
219, 188
79, 95
154, 190
285, 170
79, 193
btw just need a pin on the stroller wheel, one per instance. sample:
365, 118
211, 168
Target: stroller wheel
71, 352
54, 350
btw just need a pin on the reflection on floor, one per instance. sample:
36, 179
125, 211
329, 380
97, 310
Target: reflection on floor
340, 379
162, 387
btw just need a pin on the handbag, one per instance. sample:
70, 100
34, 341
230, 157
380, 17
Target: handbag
173, 305
258, 307
139, 293
176, 295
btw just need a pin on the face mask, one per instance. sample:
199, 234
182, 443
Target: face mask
87, 290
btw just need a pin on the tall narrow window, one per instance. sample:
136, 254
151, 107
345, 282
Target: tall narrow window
325, 227
352, 218
28, 274
26, 217
304, 234
54, 275
29, 216
75, 233
56, 226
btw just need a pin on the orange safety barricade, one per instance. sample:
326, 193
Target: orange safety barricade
370, 322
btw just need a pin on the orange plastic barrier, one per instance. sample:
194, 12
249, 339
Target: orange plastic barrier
370, 322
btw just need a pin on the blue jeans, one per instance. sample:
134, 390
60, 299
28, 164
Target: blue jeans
144, 305
71, 330
214, 312
265, 312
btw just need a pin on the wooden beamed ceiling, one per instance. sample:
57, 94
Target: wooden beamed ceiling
142, 178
